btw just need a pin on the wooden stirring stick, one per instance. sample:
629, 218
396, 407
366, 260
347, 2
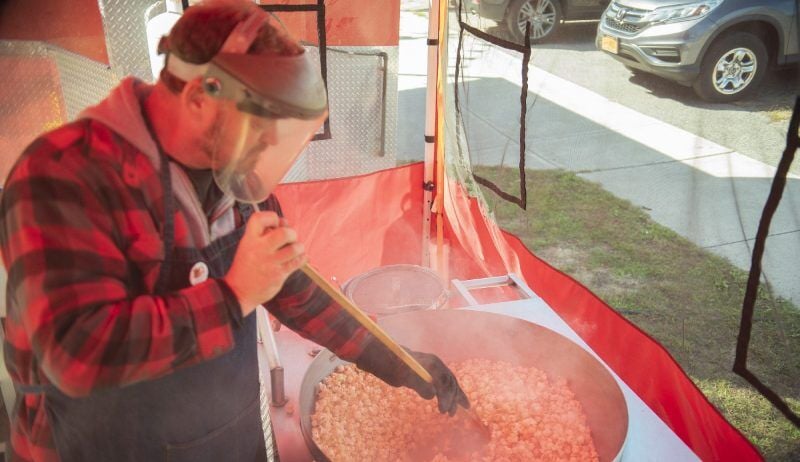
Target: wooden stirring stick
379, 333
366, 321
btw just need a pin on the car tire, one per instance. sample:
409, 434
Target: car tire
732, 68
545, 17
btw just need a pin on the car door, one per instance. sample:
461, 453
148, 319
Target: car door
584, 9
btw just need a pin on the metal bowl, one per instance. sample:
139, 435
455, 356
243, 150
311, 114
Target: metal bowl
459, 335
394, 289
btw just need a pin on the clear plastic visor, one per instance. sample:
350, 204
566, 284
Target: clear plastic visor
251, 154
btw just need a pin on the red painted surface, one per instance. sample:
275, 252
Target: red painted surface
75, 25
347, 22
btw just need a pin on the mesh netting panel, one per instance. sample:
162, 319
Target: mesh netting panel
640, 190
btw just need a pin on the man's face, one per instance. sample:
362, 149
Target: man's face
249, 154
244, 154
237, 140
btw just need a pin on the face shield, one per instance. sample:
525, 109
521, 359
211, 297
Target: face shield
280, 103
280, 109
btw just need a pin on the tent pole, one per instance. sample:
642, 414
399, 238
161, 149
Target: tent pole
430, 129
441, 80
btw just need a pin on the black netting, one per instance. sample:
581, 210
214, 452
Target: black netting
753, 282
317, 9
681, 213
521, 199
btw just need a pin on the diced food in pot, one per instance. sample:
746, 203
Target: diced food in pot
357, 417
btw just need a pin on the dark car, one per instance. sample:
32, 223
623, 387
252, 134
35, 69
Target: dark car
722, 48
545, 16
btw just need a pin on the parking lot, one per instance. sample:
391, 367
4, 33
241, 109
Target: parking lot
755, 127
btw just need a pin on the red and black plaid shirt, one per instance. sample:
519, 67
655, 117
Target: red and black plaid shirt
81, 241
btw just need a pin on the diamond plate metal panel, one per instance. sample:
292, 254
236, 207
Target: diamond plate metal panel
363, 118
45, 87
84, 82
126, 37
31, 95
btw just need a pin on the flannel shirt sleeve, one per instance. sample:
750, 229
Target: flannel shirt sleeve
69, 283
306, 309
303, 307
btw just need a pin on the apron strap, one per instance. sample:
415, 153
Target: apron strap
168, 237
245, 210
32, 389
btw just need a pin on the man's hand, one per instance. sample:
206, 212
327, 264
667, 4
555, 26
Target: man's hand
445, 386
380, 362
267, 254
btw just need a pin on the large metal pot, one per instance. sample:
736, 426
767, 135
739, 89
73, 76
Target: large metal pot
458, 335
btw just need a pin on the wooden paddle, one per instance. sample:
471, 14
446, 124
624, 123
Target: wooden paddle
383, 337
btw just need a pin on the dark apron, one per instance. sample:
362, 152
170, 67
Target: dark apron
205, 412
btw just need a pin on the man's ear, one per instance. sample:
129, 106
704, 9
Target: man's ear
196, 101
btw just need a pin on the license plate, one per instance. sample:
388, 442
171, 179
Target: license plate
609, 44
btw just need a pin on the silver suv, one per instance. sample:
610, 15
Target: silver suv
722, 48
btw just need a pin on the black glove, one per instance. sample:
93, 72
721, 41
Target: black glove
379, 361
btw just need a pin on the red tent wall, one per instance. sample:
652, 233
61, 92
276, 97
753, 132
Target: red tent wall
348, 23
356, 224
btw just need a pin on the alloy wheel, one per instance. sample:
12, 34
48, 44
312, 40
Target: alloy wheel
734, 71
542, 16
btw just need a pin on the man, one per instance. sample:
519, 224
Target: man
135, 259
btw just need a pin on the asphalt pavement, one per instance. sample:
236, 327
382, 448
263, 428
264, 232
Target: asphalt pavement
696, 173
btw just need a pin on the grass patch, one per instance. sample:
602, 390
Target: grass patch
688, 298
745, 408
779, 115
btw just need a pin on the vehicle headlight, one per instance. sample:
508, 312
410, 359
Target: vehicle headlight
685, 12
